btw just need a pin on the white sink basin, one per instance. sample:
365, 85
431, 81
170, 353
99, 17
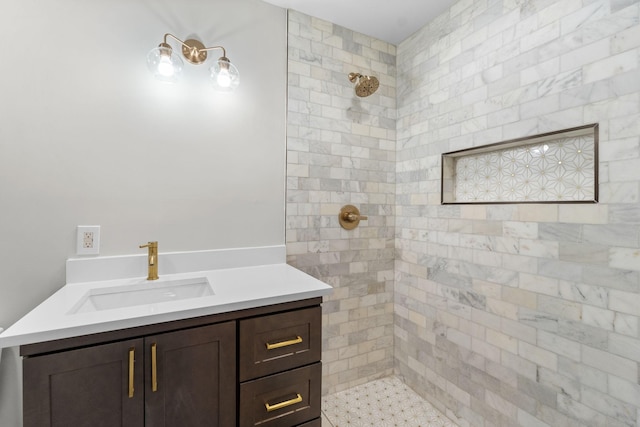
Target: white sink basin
149, 292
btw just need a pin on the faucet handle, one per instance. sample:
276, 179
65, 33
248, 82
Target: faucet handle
150, 245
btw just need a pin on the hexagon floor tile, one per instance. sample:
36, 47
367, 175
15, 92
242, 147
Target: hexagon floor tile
380, 403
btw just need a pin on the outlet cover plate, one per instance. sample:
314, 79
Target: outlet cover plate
88, 240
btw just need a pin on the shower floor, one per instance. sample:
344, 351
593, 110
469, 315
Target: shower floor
380, 403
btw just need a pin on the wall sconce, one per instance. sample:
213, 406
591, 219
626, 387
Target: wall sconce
166, 66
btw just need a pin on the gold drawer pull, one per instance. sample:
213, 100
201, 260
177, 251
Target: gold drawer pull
296, 340
154, 367
132, 360
284, 404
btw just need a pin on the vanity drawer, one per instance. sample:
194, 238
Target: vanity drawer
282, 400
315, 423
279, 342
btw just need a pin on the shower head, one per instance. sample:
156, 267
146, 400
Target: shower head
365, 85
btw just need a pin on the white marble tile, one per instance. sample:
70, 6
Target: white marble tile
627, 126
617, 366
626, 324
607, 405
505, 22
591, 13
558, 10
539, 248
624, 390
598, 317
540, 37
586, 55
611, 66
625, 258
538, 356
625, 40
624, 346
558, 344
541, 66
586, 214
540, 71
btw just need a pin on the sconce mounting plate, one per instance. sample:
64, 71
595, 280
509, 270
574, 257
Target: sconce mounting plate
193, 51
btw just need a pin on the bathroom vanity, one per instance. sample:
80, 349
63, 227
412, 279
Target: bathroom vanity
245, 353
260, 366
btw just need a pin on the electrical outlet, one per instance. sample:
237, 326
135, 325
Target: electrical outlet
87, 239
88, 242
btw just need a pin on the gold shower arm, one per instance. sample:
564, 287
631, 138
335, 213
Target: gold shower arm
354, 76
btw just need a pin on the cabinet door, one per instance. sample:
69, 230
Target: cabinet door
190, 377
99, 386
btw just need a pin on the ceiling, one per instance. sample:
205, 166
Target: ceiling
391, 21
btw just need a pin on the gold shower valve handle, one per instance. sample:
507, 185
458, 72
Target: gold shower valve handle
350, 217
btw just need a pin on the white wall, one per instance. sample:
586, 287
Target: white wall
87, 136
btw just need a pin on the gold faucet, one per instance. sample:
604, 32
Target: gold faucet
153, 260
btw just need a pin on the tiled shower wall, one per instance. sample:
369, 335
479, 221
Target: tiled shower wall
341, 150
518, 314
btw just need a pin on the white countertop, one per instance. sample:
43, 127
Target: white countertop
235, 288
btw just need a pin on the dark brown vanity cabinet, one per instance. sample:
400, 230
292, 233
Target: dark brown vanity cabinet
195, 378
182, 378
279, 369
85, 387
258, 366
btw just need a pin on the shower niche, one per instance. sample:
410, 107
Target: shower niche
554, 167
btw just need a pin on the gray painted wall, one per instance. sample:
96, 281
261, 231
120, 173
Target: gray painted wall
87, 136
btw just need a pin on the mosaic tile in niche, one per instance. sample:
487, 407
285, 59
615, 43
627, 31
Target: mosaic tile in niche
555, 171
559, 166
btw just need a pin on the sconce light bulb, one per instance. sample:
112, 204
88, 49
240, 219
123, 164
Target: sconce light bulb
224, 79
165, 67
224, 75
164, 64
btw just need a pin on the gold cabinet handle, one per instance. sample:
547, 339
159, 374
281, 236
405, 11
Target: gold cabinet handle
154, 367
284, 404
296, 340
132, 360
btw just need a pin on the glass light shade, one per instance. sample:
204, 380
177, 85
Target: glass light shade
165, 65
224, 75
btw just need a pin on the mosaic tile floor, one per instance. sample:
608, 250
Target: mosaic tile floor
380, 403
